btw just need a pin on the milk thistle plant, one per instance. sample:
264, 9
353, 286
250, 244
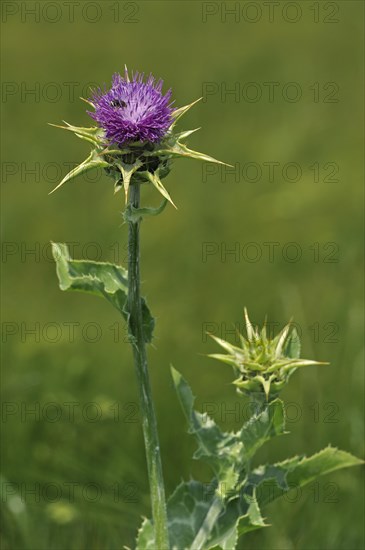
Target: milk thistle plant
135, 142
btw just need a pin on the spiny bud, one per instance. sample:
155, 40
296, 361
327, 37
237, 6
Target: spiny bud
263, 365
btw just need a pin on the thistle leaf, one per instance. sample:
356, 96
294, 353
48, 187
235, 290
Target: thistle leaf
187, 508
213, 516
198, 520
101, 279
132, 214
228, 453
273, 481
214, 446
145, 536
262, 426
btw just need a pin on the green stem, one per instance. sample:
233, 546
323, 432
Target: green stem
149, 423
208, 523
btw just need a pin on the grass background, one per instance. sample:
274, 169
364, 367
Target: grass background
172, 40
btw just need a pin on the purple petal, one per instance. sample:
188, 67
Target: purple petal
133, 111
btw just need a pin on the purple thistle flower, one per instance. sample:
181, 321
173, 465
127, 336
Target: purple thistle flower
133, 110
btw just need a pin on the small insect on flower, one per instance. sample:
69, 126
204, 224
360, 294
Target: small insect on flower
133, 110
118, 103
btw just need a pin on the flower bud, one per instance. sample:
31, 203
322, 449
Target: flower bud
263, 365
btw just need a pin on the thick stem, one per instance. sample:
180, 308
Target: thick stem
149, 423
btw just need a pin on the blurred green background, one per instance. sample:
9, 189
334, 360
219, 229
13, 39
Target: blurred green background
96, 454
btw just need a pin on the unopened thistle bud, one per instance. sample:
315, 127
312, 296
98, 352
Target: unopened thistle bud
263, 365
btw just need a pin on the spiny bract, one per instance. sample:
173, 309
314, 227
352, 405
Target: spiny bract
263, 365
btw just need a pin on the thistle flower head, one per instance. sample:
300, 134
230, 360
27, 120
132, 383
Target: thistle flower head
133, 110
263, 365
135, 139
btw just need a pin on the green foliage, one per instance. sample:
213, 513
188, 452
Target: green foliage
228, 453
220, 210
215, 515
273, 481
102, 279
